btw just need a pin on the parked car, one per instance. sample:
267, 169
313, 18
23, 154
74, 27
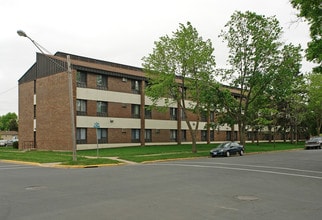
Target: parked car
3, 143
314, 143
10, 142
227, 149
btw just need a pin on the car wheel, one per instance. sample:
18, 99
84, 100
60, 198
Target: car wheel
227, 154
241, 153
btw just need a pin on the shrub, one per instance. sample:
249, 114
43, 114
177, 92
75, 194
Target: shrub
15, 144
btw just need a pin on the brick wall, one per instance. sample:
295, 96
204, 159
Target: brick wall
53, 115
26, 114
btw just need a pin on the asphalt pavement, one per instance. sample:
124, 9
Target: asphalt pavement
279, 185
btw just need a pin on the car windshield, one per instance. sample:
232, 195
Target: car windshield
224, 145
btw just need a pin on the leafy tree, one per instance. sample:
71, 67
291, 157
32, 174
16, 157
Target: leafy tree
178, 69
254, 47
285, 87
8, 122
312, 11
315, 100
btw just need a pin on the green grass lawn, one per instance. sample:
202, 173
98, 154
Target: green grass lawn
135, 154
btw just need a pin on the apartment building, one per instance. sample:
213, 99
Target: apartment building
110, 108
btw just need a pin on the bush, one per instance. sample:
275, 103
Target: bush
15, 144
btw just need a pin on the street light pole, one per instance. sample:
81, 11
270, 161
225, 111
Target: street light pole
70, 91
71, 106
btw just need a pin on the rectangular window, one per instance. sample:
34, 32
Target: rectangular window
212, 135
102, 135
203, 135
81, 79
231, 136
135, 135
101, 82
183, 135
81, 136
147, 112
173, 113
135, 111
148, 135
173, 135
212, 116
183, 115
135, 86
204, 116
81, 107
101, 109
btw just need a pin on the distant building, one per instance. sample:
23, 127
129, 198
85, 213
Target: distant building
8, 135
107, 93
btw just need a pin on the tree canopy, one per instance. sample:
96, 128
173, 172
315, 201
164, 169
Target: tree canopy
178, 69
315, 100
8, 122
253, 42
311, 10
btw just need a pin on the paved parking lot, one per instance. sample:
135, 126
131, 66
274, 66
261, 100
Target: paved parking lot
284, 185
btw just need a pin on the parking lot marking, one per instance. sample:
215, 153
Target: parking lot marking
12, 167
239, 169
268, 167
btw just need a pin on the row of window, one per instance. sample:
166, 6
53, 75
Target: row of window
101, 110
101, 82
81, 135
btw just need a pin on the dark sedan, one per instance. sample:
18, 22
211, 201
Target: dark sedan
314, 143
227, 149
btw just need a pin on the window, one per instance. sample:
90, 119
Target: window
101, 108
81, 79
135, 135
147, 112
173, 113
183, 135
212, 116
231, 136
204, 116
203, 135
148, 135
135, 86
212, 135
81, 107
81, 135
102, 135
173, 135
183, 115
101, 82
135, 111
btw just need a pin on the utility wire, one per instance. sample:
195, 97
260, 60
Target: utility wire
1, 93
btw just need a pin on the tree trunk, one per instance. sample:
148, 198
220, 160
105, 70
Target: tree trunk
241, 128
194, 141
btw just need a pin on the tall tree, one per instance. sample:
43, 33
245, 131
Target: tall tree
253, 45
285, 87
178, 70
315, 100
311, 10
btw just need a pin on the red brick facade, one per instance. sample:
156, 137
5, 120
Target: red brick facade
44, 110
